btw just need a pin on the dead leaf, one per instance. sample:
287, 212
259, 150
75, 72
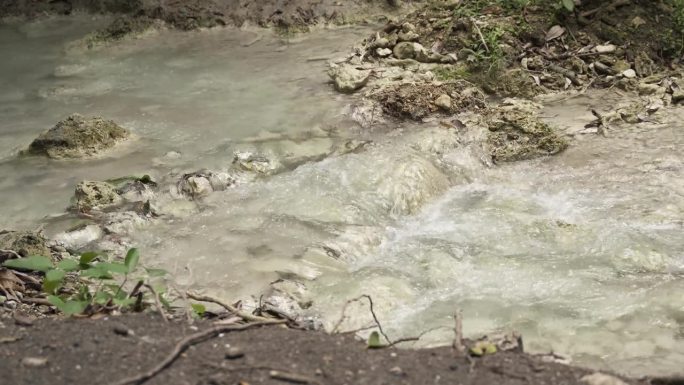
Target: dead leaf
554, 32
637, 22
10, 282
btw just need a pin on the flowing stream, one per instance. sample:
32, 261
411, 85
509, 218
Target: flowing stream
582, 253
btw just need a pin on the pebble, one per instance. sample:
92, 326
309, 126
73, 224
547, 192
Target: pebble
397, 371
234, 353
608, 48
122, 330
383, 52
629, 74
443, 102
34, 362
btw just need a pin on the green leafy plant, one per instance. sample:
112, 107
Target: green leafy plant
569, 5
94, 283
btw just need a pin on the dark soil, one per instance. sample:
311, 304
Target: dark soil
511, 50
109, 350
188, 15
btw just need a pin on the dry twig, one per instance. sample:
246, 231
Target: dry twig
158, 303
244, 315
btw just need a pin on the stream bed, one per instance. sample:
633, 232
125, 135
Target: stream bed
582, 253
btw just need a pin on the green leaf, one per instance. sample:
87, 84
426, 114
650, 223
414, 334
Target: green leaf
53, 280
68, 307
2, 299
101, 297
124, 302
156, 272
118, 268
198, 308
68, 265
96, 272
55, 301
374, 341
569, 5
132, 258
74, 307
33, 263
88, 257
165, 302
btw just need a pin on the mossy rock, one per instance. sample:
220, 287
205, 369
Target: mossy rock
24, 243
94, 194
78, 137
520, 135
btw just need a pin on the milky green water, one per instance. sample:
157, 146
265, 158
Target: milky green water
583, 252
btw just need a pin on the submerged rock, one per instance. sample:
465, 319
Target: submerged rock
248, 161
78, 137
96, 195
204, 182
519, 135
347, 78
24, 243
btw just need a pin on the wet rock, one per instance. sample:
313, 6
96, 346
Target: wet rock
412, 182
77, 137
678, 96
195, 186
95, 195
408, 36
289, 295
601, 379
382, 42
407, 50
348, 78
383, 52
24, 243
123, 222
520, 135
202, 183
260, 164
79, 237
443, 102
649, 89
620, 66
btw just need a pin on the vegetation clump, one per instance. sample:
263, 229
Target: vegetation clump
520, 135
87, 285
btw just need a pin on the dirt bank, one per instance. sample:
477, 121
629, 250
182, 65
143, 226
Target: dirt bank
109, 350
209, 13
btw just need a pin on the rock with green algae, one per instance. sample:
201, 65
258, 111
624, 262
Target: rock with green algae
24, 243
95, 195
516, 134
78, 137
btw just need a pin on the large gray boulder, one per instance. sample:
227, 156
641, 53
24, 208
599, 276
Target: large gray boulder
78, 137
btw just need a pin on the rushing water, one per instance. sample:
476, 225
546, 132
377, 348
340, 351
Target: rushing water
583, 252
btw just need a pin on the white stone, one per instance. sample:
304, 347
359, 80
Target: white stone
601, 379
629, 74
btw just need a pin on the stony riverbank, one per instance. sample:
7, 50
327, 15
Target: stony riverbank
447, 65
